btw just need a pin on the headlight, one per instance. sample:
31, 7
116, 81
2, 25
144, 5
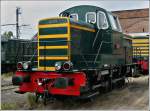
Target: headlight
26, 65
67, 65
19, 65
57, 66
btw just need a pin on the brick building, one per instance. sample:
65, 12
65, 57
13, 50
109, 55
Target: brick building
134, 21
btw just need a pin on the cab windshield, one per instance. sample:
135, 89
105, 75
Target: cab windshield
114, 22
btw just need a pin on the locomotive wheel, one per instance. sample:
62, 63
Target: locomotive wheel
91, 99
135, 72
60, 98
107, 86
37, 97
121, 83
45, 97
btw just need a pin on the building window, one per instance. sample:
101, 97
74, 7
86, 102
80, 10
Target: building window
90, 17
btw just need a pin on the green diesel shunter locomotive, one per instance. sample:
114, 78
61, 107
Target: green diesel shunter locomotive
81, 52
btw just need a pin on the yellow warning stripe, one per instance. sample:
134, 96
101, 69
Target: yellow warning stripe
141, 48
53, 58
82, 28
53, 25
38, 49
140, 41
141, 54
53, 36
54, 47
69, 36
142, 51
137, 45
53, 18
46, 68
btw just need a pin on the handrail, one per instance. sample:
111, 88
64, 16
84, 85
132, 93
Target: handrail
96, 37
100, 49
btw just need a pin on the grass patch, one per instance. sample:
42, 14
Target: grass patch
31, 100
8, 106
6, 75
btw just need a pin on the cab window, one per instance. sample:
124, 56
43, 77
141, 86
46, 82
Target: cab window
91, 17
114, 22
102, 20
74, 16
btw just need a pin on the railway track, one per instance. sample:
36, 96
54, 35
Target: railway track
8, 86
4, 85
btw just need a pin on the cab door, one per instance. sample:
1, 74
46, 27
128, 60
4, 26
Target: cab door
117, 39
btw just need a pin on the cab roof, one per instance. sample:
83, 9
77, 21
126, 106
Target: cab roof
81, 10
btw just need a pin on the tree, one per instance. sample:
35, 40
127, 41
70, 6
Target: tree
8, 35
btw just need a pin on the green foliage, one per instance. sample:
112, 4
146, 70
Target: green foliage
31, 100
8, 34
6, 75
8, 106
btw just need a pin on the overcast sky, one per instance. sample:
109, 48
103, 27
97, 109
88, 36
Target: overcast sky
32, 11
